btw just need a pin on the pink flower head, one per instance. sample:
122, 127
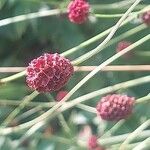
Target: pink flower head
115, 107
78, 11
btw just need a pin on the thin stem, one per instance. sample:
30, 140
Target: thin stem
87, 108
143, 99
61, 117
25, 101
30, 104
29, 113
143, 53
89, 68
113, 129
13, 77
143, 145
112, 15
117, 5
120, 138
20, 18
134, 134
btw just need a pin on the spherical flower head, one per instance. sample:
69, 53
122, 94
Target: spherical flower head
115, 107
49, 72
92, 142
60, 95
78, 11
146, 18
122, 45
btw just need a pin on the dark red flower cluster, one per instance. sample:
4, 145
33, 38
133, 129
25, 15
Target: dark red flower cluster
49, 72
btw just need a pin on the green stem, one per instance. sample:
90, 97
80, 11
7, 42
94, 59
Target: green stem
13, 77
29, 16
143, 99
117, 139
31, 104
61, 118
112, 15
25, 101
143, 53
113, 129
121, 138
134, 134
143, 145
29, 113
86, 108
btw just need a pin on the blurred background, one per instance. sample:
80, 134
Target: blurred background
22, 41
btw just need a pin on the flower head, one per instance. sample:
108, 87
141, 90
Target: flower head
78, 11
49, 72
115, 107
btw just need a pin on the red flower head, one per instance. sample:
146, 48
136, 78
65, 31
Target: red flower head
49, 72
78, 11
115, 107
146, 17
61, 95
